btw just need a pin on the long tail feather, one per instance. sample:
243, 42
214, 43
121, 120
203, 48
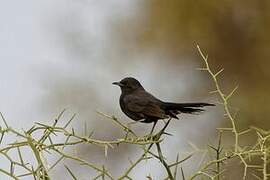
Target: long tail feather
190, 108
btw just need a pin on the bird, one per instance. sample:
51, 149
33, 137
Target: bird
140, 105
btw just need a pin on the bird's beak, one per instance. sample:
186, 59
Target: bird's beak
117, 83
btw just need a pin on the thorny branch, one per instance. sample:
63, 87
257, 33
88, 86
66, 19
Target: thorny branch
39, 140
243, 154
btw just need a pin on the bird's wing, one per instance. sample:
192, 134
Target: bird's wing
145, 106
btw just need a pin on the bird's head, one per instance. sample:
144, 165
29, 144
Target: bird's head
128, 84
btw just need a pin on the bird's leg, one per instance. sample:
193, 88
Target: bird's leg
152, 130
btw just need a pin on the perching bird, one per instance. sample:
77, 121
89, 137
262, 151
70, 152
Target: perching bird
140, 105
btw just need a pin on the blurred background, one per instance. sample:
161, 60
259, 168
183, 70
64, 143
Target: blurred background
65, 54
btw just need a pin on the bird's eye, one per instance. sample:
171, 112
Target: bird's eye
126, 84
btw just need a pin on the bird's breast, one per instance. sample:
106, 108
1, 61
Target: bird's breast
133, 115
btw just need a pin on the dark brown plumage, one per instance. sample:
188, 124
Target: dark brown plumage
142, 106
